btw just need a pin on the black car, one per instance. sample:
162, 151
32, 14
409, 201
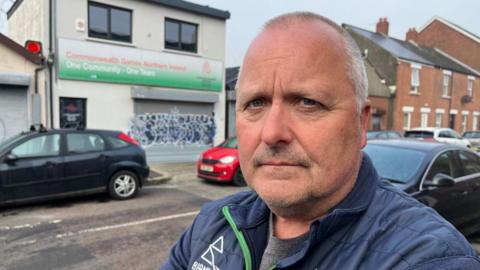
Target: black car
55, 163
443, 176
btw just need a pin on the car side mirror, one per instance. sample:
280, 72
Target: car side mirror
440, 180
10, 158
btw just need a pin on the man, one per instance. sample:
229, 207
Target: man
317, 201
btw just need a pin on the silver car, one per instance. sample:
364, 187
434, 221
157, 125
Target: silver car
474, 138
445, 135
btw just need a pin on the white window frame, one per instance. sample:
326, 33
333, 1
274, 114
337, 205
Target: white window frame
475, 122
438, 119
424, 120
464, 122
446, 81
470, 81
409, 120
415, 79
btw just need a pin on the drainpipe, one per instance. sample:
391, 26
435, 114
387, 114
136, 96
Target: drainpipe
391, 109
450, 102
50, 59
227, 108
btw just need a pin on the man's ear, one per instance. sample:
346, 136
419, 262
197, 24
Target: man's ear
365, 121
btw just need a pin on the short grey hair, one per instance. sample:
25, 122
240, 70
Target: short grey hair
355, 65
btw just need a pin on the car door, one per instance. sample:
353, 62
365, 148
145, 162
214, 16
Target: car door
470, 176
450, 202
36, 170
85, 160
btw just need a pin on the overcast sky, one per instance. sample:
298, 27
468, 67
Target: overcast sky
247, 16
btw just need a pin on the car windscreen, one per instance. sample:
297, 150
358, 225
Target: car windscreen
372, 134
419, 134
10, 141
471, 135
395, 164
230, 143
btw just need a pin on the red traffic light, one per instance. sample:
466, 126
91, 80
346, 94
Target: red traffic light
34, 47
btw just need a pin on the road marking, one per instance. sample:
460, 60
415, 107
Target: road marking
29, 226
31, 242
166, 186
133, 223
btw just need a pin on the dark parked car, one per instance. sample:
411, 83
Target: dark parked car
443, 176
56, 163
383, 134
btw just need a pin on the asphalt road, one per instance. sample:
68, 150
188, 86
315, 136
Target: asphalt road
95, 232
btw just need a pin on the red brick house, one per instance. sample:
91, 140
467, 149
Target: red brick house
429, 87
450, 38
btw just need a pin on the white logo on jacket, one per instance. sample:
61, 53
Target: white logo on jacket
209, 255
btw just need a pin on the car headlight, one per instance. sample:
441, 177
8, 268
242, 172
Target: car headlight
227, 159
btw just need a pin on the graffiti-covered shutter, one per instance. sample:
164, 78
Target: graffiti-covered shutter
173, 131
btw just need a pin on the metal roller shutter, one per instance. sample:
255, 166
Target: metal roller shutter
173, 131
13, 111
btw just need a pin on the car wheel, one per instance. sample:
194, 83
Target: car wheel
238, 179
123, 185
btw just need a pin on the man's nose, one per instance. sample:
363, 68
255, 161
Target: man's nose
276, 128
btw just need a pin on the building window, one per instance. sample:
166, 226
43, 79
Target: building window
415, 80
109, 22
424, 120
464, 122
475, 122
470, 87
438, 120
407, 117
180, 35
446, 85
73, 113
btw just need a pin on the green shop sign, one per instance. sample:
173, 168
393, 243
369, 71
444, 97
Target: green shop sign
80, 60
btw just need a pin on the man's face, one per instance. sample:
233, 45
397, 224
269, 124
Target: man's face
298, 130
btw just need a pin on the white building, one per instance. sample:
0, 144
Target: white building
153, 68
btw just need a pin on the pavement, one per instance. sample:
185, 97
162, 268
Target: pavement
176, 172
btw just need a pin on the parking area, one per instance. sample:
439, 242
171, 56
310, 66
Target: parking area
95, 232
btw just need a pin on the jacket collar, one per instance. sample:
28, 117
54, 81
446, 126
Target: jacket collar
254, 211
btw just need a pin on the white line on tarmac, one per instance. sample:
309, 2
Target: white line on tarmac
165, 186
29, 226
134, 223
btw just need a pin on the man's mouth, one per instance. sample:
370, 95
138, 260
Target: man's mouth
278, 163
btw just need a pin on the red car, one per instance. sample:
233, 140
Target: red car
221, 163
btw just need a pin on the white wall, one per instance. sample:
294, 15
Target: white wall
30, 22
110, 106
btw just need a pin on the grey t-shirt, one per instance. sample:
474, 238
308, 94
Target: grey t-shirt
278, 249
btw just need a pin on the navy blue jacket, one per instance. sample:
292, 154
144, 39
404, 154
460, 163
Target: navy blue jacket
376, 226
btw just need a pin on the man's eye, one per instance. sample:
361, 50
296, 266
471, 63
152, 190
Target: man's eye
256, 103
308, 102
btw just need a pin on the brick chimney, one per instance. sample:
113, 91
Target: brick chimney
412, 35
382, 26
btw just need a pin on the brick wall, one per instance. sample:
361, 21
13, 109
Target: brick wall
430, 96
452, 42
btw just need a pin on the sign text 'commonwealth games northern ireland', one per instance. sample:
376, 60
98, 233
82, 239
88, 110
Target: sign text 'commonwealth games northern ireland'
80, 60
